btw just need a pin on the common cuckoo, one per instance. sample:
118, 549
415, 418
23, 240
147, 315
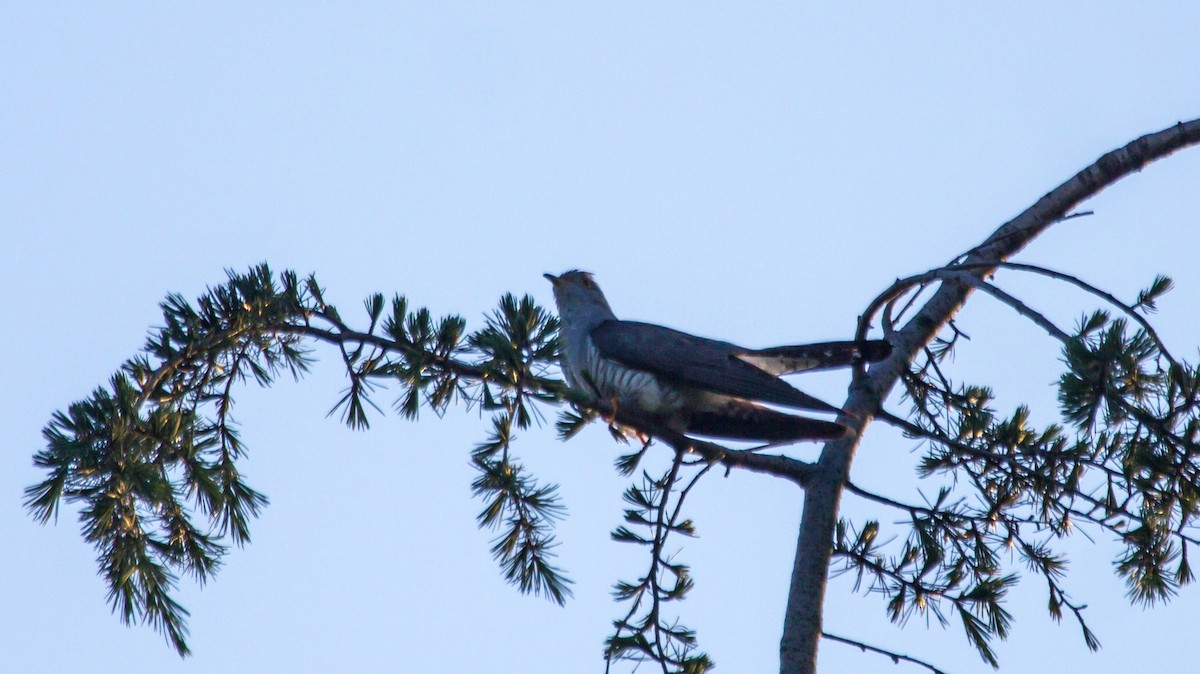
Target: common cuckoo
692, 384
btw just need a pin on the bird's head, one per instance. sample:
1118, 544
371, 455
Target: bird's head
579, 299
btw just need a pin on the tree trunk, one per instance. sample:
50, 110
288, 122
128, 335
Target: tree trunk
802, 632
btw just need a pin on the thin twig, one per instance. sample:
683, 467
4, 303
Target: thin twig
1093, 290
897, 658
1110, 510
1017, 305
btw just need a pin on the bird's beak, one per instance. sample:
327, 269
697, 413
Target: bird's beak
551, 278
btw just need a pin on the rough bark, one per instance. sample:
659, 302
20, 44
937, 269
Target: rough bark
823, 487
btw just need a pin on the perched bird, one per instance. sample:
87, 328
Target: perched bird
691, 384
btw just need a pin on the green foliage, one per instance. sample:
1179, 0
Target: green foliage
518, 344
645, 633
570, 422
1125, 462
159, 446
1146, 299
522, 511
152, 459
1150, 416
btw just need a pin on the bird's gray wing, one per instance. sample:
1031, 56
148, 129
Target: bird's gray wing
705, 364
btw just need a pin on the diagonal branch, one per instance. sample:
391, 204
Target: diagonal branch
1102, 294
1016, 305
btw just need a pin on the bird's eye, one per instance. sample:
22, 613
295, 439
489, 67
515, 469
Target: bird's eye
587, 282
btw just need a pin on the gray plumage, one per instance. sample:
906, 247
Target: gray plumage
693, 384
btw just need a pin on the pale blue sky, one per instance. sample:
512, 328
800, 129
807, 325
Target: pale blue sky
756, 174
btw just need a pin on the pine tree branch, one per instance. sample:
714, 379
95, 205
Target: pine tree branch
1110, 511
777, 465
651, 637
802, 620
345, 335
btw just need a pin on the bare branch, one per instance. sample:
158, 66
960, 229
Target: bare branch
897, 658
1017, 305
961, 274
1104, 295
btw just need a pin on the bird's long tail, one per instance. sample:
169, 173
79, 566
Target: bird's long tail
782, 360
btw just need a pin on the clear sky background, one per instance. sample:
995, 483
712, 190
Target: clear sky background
755, 173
